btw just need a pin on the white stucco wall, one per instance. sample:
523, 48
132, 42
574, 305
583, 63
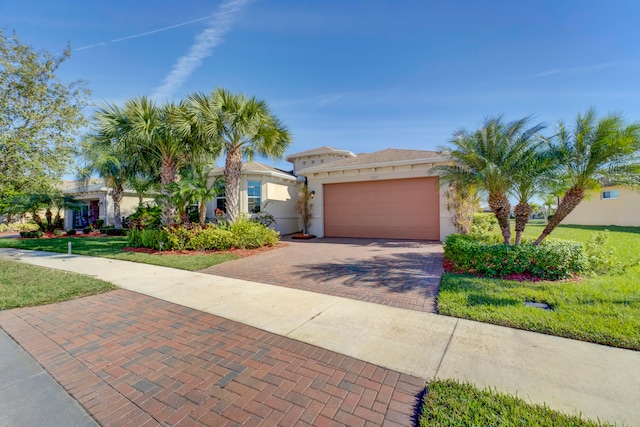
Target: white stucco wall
317, 180
623, 211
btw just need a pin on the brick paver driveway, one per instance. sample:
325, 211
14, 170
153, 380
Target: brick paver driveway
393, 272
133, 360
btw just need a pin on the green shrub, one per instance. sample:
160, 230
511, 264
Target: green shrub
146, 216
57, 232
147, 238
554, 259
115, 231
600, 255
241, 234
212, 238
483, 225
3, 228
252, 234
71, 232
87, 230
31, 234
30, 226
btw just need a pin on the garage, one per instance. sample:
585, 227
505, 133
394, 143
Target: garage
389, 209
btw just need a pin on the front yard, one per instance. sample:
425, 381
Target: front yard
601, 309
111, 247
23, 285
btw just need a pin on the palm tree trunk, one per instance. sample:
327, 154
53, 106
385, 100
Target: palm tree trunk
569, 201
49, 215
232, 175
36, 218
202, 212
117, 195
522, 212
499, 204
168, 175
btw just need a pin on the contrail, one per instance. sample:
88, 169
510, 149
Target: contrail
200, 49
147, 33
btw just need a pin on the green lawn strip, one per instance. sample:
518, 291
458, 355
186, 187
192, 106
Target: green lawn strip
601, 309
449, 403
111, 247
191, 262
24, 285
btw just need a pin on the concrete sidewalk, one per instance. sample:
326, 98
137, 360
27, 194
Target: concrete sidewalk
571, 376
30, 397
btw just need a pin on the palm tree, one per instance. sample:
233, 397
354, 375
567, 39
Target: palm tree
593, 150
241, 127
489, 158
100, 157
532, 177
143, 129
202, 190
463, 200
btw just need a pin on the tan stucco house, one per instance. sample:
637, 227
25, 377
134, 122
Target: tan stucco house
386, 194
611, 205
96, 203
264, 189
391, 193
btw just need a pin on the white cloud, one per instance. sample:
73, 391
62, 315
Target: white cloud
581, 69
202, 48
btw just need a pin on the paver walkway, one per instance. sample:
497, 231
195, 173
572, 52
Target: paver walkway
133, 360
397, 273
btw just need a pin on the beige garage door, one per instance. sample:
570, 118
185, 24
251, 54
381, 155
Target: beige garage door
390, 209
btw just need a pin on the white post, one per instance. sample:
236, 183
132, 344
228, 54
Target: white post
69, 248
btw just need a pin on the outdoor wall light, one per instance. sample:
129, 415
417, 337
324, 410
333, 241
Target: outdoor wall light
313, 194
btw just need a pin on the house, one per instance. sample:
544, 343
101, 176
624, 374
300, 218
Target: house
391, 193
264, 189
612, 205
95, 203
386, 194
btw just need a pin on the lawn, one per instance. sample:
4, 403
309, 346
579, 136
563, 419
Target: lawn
23, 285
601, 309
111, 247
449, 403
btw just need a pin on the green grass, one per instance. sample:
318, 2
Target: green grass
111, 247
601, 309
449, 403
23, 285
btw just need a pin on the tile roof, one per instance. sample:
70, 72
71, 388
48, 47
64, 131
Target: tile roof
389, 155
320, 150
252, 166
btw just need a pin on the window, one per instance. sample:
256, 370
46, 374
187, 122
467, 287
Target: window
221, 199
611, 194
253, 195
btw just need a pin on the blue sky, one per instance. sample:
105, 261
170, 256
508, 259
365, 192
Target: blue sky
358, 75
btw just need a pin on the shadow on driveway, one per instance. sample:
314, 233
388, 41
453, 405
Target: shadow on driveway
398, 273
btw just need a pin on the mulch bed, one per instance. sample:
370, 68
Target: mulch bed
241, 253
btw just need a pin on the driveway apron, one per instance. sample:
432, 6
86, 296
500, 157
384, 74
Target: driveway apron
398, 273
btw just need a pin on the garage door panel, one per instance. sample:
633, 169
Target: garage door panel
402, 209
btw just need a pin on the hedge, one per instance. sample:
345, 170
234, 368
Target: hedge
241, 234
553, 259
31, 234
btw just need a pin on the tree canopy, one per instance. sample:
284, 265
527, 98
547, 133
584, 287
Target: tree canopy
39, 117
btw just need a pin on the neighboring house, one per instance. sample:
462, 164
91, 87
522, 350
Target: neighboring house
96, 203
612, 205
264, 189
386, 194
